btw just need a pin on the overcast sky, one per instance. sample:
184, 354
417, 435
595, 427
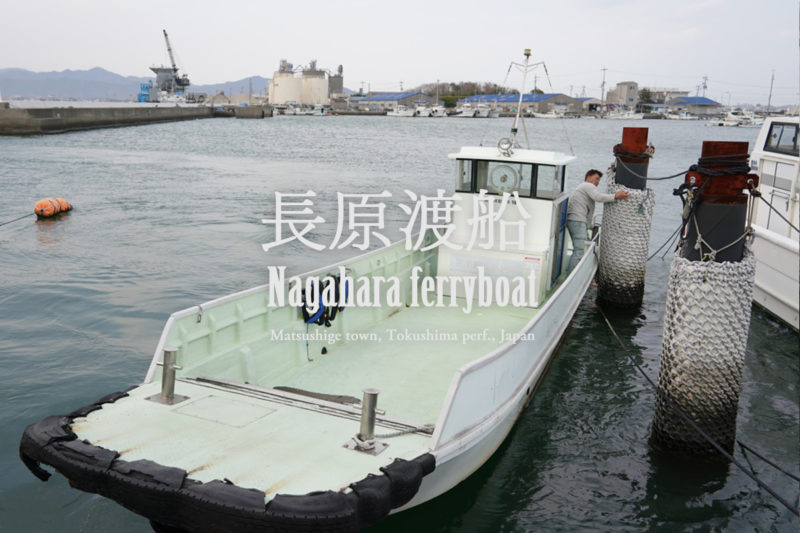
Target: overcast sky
737, 44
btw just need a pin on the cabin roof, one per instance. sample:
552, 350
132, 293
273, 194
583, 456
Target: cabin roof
518, 155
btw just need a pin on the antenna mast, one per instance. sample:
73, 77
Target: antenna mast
525, 68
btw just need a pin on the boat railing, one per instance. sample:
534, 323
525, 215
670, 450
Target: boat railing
230, 337
485, 391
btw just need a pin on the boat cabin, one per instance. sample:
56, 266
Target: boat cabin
510, 215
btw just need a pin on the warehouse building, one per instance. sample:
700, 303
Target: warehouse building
387, 101
539, 102
695, 105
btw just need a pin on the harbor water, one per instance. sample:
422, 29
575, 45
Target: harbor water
169, 215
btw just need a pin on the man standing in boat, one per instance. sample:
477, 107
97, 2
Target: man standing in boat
581, 211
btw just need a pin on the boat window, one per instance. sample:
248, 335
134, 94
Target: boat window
500, 177
549, 180
782, 138
464, 175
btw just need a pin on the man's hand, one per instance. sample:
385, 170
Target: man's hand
621, 194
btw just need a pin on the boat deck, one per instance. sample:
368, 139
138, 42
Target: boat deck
256, 443
410, 357
253, 434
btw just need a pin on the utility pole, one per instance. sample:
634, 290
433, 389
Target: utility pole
401, 86
705, 84
769, 100
603, 91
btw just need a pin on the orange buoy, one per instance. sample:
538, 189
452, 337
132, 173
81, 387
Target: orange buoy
51, 206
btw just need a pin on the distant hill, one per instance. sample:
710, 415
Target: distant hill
99, 84
260, 85
96, 83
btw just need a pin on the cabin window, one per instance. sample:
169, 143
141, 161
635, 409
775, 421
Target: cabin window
464, 175
549, 181
782, 138
503, 177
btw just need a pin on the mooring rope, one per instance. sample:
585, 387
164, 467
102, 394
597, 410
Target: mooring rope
681, 173
770, 463
712, 254
670, 238
779, 214
663, 394
18, 218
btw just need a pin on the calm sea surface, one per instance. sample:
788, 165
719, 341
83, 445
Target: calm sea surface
169, 216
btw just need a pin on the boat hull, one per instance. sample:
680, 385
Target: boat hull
523, 366
777, 289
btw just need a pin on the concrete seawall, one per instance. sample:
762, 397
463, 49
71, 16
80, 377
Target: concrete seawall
63, 119
253, 111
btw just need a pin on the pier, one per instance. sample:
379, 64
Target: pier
64, 119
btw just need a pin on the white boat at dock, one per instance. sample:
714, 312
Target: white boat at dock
423, 111
623, 115
681, 116
438, 111
553, 113
465, 111
485, 111
254, 421
776, 245
737, 119
400, 111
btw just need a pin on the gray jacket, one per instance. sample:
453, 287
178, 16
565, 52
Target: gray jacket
581, 202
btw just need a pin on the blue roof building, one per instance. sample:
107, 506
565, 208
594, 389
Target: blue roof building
696, 105
381, 101
539, 102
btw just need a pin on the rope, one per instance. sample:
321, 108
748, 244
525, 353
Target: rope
425, 428
670, 238
770, 463
681, 173
18, 218
712, 254
692, 423
621, 150
771, 207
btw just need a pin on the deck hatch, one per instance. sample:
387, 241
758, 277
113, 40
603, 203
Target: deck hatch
225, 411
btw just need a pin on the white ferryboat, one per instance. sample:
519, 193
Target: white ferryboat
776, 244
254, 420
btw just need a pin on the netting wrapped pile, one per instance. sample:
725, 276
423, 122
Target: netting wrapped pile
705, 335
624, 244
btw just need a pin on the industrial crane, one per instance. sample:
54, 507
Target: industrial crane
180, 81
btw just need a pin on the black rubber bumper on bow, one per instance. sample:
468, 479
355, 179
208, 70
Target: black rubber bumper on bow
167, 497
